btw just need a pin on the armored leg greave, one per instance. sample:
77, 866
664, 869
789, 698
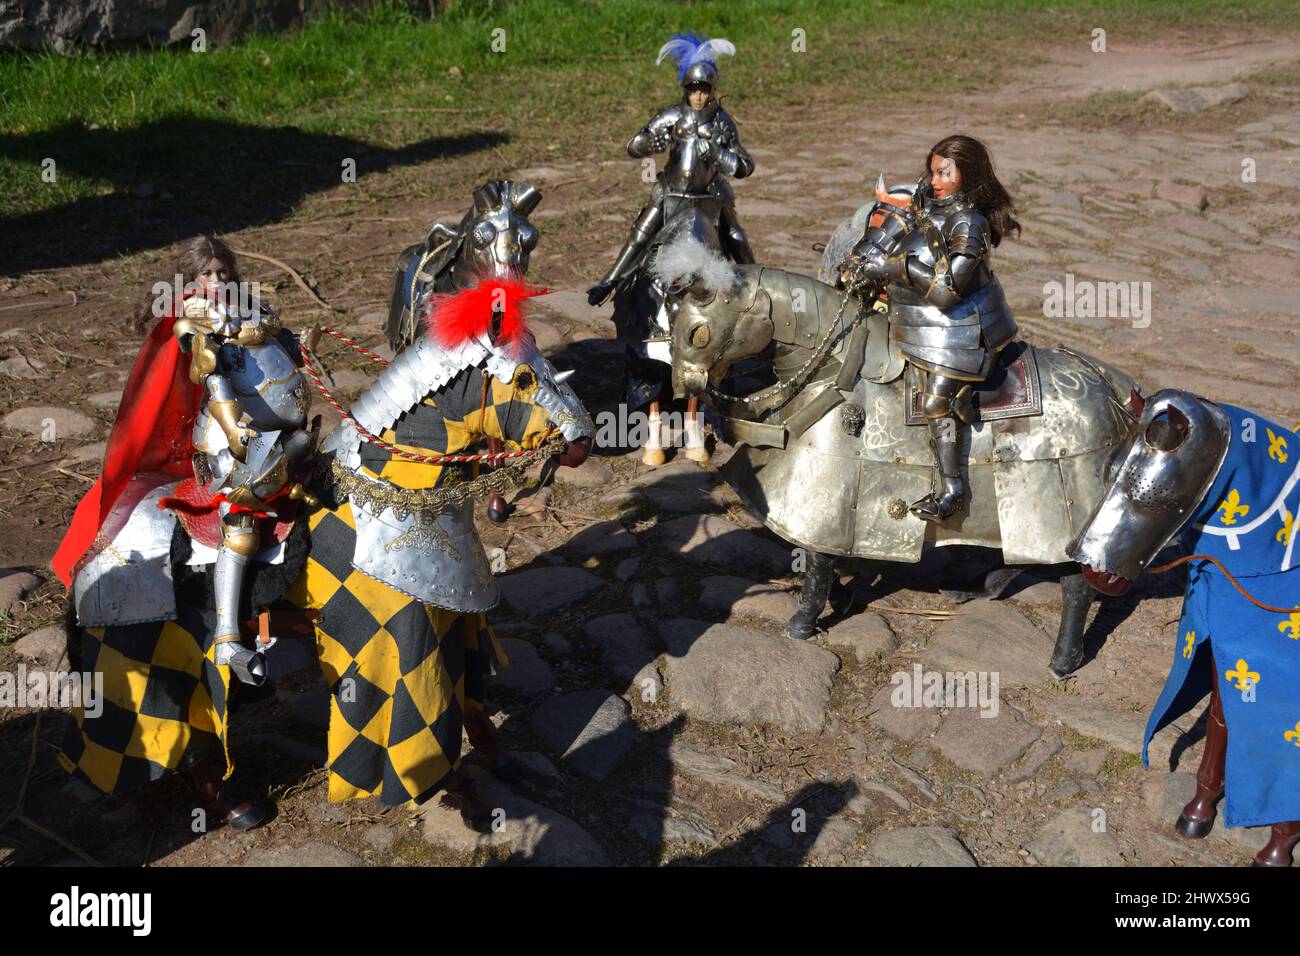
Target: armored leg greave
647, 223
238, 544
736, 241
946, 406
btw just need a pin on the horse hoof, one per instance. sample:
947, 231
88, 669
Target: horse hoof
1193, 829
698, 454
247, 816
654, 457
799, 632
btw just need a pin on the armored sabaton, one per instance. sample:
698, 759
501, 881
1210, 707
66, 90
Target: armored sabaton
947, 315
436, 556
250, 438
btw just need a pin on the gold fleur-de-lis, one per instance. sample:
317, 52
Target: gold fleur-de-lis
1232, 508
1288, 527
1242, 674
1190, 638
1293, 735
1291, 626
1276, 447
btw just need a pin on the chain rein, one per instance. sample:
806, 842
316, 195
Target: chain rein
796, 381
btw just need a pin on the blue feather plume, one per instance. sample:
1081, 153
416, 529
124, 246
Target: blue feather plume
688, 49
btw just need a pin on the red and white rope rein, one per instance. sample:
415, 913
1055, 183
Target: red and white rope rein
310, 368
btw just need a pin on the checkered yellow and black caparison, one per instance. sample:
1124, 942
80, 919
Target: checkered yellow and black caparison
403, 674
164, 701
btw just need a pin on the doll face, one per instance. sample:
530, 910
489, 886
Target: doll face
212, 276
697, 96
945, 177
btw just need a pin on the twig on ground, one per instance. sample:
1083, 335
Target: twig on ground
297, 276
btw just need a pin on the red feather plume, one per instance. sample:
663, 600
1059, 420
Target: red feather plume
455, 317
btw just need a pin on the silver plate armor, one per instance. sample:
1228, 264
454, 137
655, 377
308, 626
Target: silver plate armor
1154, 483
445, 567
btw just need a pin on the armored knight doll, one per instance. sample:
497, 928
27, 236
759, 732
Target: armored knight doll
250, 440
947, 313
702, 142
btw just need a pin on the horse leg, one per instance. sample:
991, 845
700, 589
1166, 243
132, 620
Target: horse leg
817, 580
482, 734
1277, 852
1197, 817
1076, 597
695, 449
653, 452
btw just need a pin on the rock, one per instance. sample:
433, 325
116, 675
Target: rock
20, 366
867, 634
732, 674
528, 832
589, 729
708, 539
531, 763
378, 837
668, 591
680, 487
51, 424
646, 686
541, 590
14, 586
901, 723
641, 595
1071, 840
1165, 795
991, 636
590, 474
312, 853
920, 846
574, 306
93, 452
106, 399
1193, 196
1096, 718
732, 595
1033, 592
720, 772
623, 644
557, 644
664, 830
527, 673
1197, 98
984, 744
1040, 751
627, 569
1086, 763
603, 537
46, 646
548, 338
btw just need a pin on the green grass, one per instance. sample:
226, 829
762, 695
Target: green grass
115, 121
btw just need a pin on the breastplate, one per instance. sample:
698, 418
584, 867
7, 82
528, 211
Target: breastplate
267, 383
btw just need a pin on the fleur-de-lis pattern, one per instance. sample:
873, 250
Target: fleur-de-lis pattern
1190, 645
1244, 677
1232, 508
1293, 735
1291, 626
1276, 447
1288, 527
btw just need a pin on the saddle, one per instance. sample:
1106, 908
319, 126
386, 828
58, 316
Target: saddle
206, 528
1012, 390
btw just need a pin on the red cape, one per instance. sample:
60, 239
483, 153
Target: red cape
150, 434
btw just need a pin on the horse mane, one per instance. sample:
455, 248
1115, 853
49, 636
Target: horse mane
494, 306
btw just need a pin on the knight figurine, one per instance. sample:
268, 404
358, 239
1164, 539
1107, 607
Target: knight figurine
703, 147
947, 312
250, 440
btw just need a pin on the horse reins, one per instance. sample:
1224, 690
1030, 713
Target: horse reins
309, 366
1227, 574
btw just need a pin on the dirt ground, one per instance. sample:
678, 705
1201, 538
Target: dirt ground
1103, 193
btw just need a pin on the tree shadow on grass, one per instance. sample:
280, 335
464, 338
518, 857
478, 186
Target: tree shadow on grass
186, 176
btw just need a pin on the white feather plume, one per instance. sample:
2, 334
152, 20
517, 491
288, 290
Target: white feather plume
686, 260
